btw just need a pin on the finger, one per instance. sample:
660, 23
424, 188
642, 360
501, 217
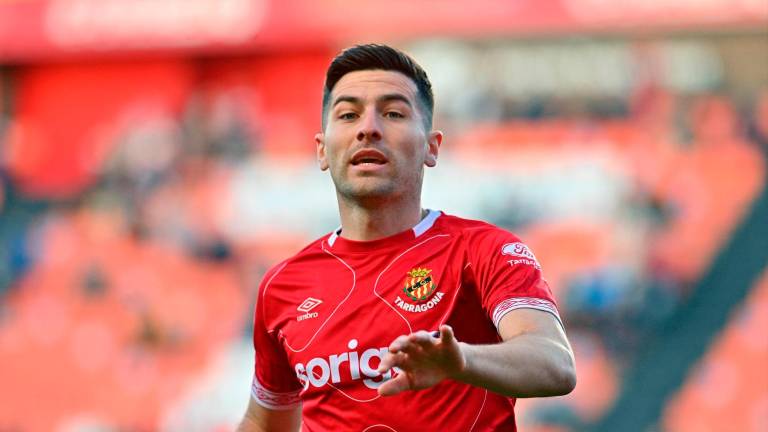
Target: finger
396, 385
413, 349
446, 334
406, 345
387, 362
391, 360
423, 339
398, 344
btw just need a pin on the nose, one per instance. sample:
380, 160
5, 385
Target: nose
369, 128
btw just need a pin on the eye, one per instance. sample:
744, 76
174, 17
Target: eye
393, 114
347, 116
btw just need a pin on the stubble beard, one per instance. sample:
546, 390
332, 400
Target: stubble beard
364, 192
368, 192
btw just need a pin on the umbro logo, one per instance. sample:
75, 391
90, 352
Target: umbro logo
306, 306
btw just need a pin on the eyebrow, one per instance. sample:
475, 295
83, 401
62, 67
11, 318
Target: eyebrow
389, 97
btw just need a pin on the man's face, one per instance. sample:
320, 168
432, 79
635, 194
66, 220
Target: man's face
375, 143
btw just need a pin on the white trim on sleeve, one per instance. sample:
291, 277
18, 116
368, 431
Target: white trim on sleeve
511, 304
273, 400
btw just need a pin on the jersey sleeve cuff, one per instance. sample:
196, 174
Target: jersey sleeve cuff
274, 400
510, 304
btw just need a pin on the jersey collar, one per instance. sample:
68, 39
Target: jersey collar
420, 228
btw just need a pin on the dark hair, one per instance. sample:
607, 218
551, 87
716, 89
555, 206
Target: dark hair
379, 57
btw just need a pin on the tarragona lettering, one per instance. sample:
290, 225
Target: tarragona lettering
524, 262
408, 307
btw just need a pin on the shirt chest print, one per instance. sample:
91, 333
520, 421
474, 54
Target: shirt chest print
420, 289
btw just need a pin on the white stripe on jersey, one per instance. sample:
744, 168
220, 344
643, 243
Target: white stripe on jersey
511, 304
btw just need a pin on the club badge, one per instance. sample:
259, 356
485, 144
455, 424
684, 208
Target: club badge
419, 285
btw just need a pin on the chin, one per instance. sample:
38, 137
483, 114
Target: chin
368, 189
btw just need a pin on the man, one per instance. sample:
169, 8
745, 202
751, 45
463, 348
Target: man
404, 318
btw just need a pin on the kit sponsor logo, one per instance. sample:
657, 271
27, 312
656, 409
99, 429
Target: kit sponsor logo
350, 365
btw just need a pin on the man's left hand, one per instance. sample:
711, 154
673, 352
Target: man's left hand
422, 360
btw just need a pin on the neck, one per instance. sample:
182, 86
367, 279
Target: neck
372, 221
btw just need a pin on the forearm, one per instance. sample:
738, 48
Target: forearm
523, 366
249, 425
260, 419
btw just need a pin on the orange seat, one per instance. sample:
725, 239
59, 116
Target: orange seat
728, 389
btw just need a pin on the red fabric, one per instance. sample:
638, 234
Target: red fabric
325, 317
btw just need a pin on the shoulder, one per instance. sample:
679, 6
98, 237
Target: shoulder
483, 240
476, 231
306, 255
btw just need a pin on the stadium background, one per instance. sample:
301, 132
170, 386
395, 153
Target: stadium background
157, 156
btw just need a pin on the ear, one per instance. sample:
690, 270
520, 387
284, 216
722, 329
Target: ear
321, 156
434, 140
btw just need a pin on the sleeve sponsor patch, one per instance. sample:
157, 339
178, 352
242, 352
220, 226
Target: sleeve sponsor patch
520, 254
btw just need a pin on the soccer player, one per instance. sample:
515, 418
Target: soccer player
404, 318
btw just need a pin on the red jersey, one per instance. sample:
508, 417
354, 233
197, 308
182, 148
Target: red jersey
325, 317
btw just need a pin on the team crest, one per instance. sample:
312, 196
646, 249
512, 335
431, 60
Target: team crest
419, 284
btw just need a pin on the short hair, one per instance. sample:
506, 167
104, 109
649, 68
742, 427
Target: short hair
379, 57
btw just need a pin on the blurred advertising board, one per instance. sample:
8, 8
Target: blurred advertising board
35, 30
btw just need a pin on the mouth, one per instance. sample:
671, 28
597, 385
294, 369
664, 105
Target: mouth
368, 157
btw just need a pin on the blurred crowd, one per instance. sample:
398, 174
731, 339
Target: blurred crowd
114, 297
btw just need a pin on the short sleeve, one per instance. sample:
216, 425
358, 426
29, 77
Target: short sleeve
507, 274
275, 385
